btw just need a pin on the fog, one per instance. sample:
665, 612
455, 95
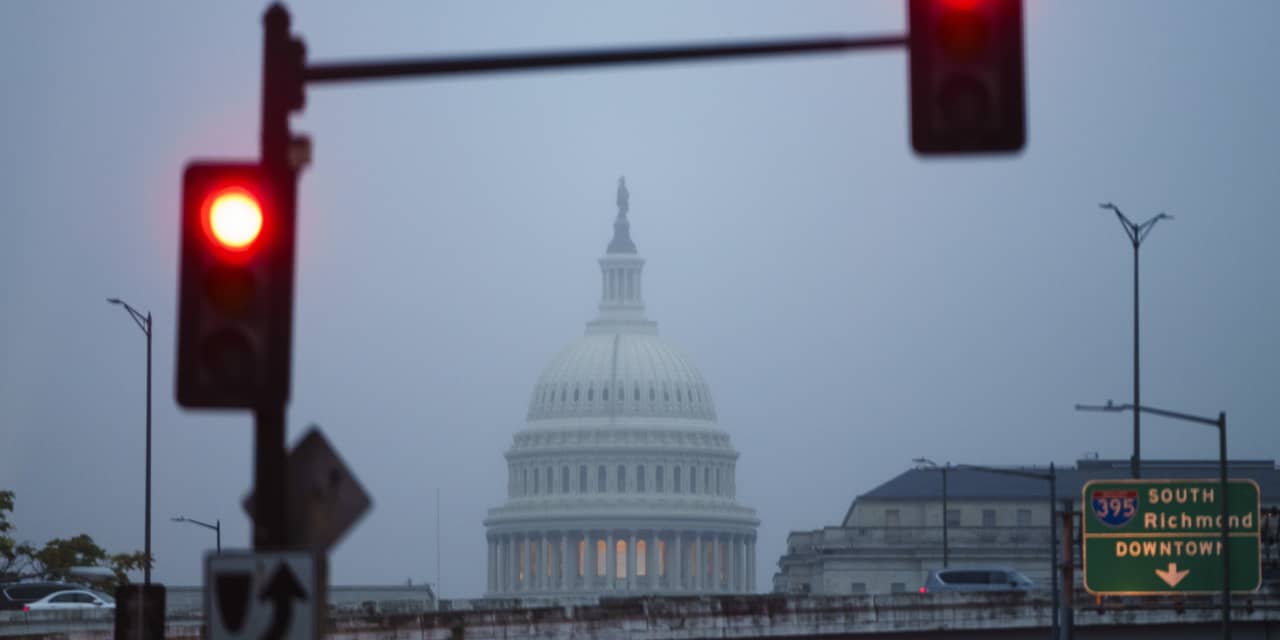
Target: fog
851, 304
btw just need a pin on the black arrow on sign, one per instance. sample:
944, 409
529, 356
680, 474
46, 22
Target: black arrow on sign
281, 590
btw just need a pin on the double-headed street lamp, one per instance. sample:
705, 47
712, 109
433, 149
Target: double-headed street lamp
1221, 424
216, 526
144, 323
943, 468
1137, 233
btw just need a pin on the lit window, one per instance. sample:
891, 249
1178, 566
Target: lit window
642, 549
620, 559
602, 559
693, 559
662, 558
550, 556
582, 558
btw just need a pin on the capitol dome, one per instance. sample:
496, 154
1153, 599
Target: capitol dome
620, 375
622, 481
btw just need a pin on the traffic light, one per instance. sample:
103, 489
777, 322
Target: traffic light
235, 288
967, 86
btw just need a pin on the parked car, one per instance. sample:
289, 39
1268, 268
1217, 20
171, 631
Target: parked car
13, 595
976, 579
72, 599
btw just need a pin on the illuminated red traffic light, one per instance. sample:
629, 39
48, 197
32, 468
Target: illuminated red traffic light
233, 218
967, 85
234, 288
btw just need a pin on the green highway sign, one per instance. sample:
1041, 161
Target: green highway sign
1157, 537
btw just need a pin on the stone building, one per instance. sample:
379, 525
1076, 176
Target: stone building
622, 482
892, 536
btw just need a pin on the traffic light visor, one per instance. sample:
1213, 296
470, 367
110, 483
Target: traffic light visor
232, 218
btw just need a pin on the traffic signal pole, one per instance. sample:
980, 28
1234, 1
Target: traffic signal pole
281, 94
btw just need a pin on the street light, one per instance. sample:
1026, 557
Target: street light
1221, 424
216, 526
144, 323
1052, 478
1137, 233
943, 469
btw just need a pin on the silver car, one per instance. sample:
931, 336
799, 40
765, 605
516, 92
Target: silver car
976, 579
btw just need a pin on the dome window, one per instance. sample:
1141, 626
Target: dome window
640, 478
675, 482
575, 394
679, 397
622, 479
637, 394
666, 396
591, 394
601, 479
652, 395
604, 394
582, 479
564, 479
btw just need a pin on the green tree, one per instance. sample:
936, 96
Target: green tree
56, 558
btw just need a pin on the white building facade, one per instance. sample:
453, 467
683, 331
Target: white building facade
622, 482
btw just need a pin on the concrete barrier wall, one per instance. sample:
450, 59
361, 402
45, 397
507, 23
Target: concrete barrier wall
959, 616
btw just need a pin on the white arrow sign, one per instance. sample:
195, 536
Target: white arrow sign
1172, 577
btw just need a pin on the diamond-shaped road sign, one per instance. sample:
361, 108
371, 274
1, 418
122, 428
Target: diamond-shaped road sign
261, 595
322, 497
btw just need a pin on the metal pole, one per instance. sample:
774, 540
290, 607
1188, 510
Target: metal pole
1068, 574
268, 479
1137, 457
1226, 526
1053, 546
946, 553
146, 568
217, 533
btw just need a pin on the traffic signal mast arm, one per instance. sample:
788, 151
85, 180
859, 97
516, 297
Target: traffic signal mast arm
447, 65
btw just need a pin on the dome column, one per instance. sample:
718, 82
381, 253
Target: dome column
717, 563
631, 563
678, 582
651, 564
610, 563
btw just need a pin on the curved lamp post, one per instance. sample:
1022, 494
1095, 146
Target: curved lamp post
1221, 424
144, 323
216, 527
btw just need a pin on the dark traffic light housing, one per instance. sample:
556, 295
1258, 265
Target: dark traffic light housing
967, 80
235, 289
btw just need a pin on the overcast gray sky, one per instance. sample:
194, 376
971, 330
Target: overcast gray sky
852, 305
